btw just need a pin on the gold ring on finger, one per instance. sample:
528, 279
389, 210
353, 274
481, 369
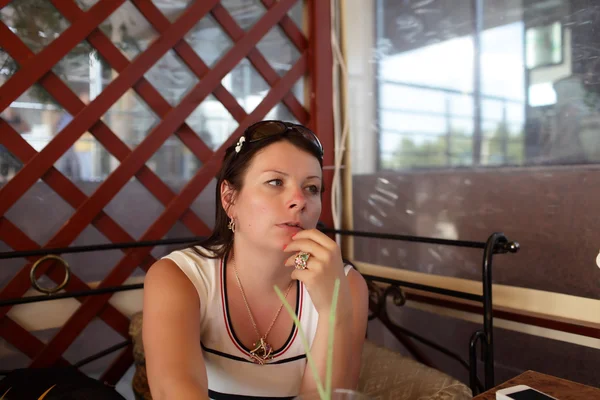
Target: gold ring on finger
301, 260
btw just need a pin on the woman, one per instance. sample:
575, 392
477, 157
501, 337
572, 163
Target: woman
213, 324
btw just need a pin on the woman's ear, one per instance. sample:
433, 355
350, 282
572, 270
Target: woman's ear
227, 197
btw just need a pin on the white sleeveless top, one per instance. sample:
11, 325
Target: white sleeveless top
231, 374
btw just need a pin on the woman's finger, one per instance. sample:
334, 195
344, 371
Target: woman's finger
307, 246
317, 236
302, 275
290, 261
312, 263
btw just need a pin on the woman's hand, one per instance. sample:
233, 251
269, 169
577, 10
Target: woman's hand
324, 266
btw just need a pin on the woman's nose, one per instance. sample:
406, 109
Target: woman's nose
298, 199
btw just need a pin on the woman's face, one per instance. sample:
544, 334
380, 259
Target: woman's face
280, 196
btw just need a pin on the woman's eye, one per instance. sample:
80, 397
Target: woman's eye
313, 189
275, 182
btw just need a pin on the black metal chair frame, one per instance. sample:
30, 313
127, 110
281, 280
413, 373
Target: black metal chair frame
497, 243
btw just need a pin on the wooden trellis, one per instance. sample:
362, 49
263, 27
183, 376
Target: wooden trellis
314, 64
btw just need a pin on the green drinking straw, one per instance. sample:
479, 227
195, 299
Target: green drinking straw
324, 393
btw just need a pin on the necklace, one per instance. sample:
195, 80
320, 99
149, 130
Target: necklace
262, 350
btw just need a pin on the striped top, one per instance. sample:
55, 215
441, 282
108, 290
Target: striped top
231, 374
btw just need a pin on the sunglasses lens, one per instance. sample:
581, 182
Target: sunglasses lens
310, 136
265, 129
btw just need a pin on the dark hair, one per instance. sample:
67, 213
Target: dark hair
233, 170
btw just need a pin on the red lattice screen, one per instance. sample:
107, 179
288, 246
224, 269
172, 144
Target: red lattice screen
314, 63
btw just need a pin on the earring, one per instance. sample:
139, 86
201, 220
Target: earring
231, 225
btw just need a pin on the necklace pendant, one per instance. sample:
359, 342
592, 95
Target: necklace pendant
261, 352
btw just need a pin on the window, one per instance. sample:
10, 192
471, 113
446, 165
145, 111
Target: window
518, 92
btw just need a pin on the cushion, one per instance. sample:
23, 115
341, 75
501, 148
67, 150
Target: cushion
386, 374
135, 331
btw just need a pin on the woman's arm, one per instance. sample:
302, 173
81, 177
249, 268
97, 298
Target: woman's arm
349, 336
171, 335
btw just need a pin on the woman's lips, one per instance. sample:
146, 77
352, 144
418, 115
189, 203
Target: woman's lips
290, 228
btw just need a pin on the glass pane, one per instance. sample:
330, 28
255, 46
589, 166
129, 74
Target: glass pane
178, 231
86, 4
9, 163
134, 208
278, 50
457, 158
37, 116
172, 9
85, 71
87, 162
209, 40
502, 63
405, 98
95, 337
281, 112
174, 163
212, 122
36, 23
503, 90
10, 266
139, 272
93, 266
46, 335
298, 91
424, 66
544, 45
129, 30
130, 119
171, 77
204, 204
460, 149
296, 13
246, 85
421, 65
40, 203
424, 108
515, 152
8, 66
245, 12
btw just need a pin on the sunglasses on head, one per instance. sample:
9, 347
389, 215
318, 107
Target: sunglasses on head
265, 129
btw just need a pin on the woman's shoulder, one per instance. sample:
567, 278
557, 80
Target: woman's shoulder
196, 261
199, 265
198, 254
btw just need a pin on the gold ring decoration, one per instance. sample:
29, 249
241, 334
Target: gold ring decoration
301, 260
64, 283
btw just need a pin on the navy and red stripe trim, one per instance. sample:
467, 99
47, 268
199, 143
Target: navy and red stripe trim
230, 331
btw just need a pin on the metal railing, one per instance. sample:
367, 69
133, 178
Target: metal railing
497, 243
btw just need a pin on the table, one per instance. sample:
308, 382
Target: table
562, 389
